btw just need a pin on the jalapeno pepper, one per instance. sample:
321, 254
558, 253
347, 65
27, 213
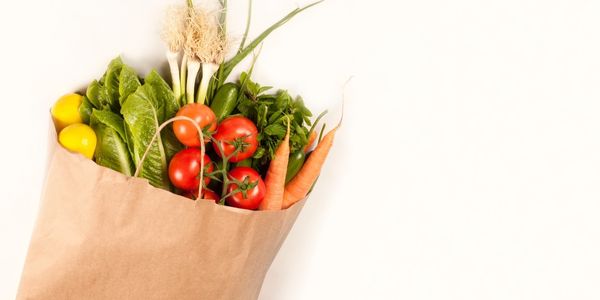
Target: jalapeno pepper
295, 163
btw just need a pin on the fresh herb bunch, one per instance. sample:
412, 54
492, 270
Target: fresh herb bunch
271, 112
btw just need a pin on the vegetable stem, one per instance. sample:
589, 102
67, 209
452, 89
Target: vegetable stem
223, 18
248, 20
183, 75
208, 70
193, 68
174, 68
229, 65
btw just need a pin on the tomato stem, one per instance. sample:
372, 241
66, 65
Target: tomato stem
223, 170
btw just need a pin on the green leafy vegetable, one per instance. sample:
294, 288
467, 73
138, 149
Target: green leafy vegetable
270, 112
111, 150
111, 83
125, 115
106, 93
128, 83
144, 111
85, 110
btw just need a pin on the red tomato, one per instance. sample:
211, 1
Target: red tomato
207, 195
210, 195
184, 169
186, 132
251, 189
236, 132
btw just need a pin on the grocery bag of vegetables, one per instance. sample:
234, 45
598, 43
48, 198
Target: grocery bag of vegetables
173, 191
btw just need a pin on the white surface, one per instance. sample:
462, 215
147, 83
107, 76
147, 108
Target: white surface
467, 168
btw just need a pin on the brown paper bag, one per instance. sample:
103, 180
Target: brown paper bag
103, 235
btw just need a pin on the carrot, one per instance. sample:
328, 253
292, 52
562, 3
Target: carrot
275, 179
311, 141
299, 187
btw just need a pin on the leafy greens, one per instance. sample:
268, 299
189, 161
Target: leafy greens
125, 114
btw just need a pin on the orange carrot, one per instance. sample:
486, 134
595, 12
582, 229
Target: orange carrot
275, 179
311, 141
299, 187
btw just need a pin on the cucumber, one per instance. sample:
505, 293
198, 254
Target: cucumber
225, 101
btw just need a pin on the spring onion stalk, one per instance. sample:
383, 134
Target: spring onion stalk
223, 16
208, 70
248, 21
183, 75
231, 63
193, 67
174, 68
173, 34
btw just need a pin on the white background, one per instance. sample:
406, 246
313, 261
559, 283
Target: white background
467, 167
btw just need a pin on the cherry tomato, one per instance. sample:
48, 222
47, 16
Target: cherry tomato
236, 132
251, 188
207, 195
184, 169
186, 132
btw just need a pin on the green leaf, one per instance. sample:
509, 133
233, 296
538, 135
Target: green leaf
93, 93
300, 131
170, 142
277, 130
261, 120
264, 89
143, 112
111, 83
111, 149
260, 152
283, 100
274, 116
128, 83
163, 93
129, 141
85, 110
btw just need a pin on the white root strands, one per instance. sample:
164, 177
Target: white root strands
174, 35
205, 38
205, 43
174, 27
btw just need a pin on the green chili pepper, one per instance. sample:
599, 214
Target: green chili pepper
295, 164
225, 100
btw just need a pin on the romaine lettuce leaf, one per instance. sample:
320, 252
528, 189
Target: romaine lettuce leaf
128, 83
111, 150
143, 112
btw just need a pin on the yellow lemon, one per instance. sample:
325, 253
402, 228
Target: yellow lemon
79, 138
66, 111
